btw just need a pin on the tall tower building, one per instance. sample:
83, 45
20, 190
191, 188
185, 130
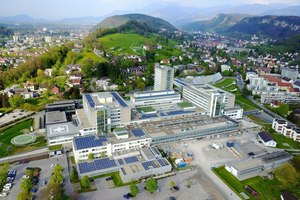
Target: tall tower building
164, 77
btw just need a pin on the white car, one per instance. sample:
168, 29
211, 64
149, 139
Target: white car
53, 165
25, 176
8, 185
5, 189
3, 194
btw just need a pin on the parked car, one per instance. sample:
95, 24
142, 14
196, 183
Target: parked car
3, 194
10, 179
172, 198
6, 189
128, 196
176, 188
25, 176
45, 182
109, 178
35, 180
53, 165
8, 185
34, 190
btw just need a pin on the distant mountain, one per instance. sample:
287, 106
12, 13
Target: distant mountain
81, 20
289, 11
21, 19
272, 26
135, 19
219, 23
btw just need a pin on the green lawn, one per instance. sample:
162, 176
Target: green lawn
92, 56
6, 148
185, 104
146, 109
229, 86
267, 189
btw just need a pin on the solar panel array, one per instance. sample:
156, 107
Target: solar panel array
120, 161
161, 162
131, 159
137, 132
90, 141
100, 164
90, 100
118, 98
104, 163
149, 116
178, 112
149, 164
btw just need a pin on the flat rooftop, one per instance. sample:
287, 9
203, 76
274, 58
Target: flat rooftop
180, 124
55, 117
275, 156
99, 99
61, 104
247, 164
83, 119
62, 129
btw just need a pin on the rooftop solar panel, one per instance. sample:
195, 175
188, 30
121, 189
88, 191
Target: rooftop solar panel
86, 167
119, 99
149, 116
180, 81
104, 163
138, 132
149, 164
121, 162
178, 112
90, 100
89, 142
131, 159
161, 162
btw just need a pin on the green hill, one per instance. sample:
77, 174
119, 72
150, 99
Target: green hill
218, 24
136, 20
132, 43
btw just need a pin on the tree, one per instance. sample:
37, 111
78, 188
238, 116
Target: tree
85, 182
23, 195
16, 101
283, 109
287, 175
151, 185
134, 190
91, 156
26, 185
296, 162
172, 184
3, 173
73, 175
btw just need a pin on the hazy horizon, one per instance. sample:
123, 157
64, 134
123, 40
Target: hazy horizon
57, 9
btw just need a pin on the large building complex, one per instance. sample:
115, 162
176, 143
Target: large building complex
105, 110
132, 166
214, 101
258, 166
281, 97
164, 77
155, 98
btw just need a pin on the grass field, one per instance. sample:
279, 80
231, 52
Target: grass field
6, 148
125, 42
116, 179
130, 43
92, 56
267, 189
229, 85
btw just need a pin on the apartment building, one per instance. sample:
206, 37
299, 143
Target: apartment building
163, 77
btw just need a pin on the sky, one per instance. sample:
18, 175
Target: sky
58, 9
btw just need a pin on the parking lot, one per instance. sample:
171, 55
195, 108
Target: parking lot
45, 175
198, 188
14, 115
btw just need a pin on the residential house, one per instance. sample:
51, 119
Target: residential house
266, 139
55, 89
